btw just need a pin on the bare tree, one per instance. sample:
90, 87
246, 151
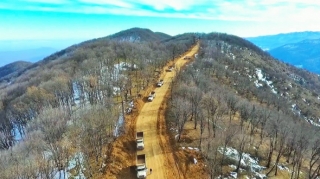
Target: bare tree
314, 166
245, 112
272, 134
210, 105
211, 155
182, 111
195, 96
229, 134
52, 123
231, 101
242, 141
281, 130
202, 127
264, 116
302, 144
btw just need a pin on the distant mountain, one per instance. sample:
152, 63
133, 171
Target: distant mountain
269, 42
139, 34
29, 55
304, 54
13, 68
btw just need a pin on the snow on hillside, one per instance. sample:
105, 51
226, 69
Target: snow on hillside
262, 78
247, 162
118, 127
75, 163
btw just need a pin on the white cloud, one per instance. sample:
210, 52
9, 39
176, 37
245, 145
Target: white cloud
172, 4
263, 17
48, 1
119, 3
248, 10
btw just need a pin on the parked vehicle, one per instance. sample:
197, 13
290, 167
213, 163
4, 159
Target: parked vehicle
141, 166
152, 96
160, 83
140, 142
187, 58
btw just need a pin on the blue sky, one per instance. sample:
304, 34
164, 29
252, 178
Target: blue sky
87, 19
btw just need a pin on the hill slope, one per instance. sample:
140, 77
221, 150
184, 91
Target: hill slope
14, 67
91, 77
273, 41
139, 35
237, 103
305, 54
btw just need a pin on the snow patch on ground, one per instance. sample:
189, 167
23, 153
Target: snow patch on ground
246, 162
312, 122
119, 124
195, 161
17, 135
256, 82
116, 91
282, 167
176, 136
234, 174
76, 93
76, 162
262, 78
124, 66
191, 148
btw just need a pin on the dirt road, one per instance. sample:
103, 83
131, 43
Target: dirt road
159, 160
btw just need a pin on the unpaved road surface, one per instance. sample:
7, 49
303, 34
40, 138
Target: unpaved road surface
162, 162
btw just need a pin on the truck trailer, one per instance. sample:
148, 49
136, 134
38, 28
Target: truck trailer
140, 142
141, 166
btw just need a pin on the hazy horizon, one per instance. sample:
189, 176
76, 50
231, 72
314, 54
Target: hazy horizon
52, 23
27, 46
32, 50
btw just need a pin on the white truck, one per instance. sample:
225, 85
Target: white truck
139, 139
152, 96
187, 58
141, 166
170, 68
160, 83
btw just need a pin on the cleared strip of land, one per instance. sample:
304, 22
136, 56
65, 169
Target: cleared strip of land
148, 121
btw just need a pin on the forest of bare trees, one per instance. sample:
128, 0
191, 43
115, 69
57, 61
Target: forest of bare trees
230, 111
59, 116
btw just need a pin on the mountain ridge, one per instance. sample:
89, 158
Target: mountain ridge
12, 68
269, 42
304, 54
139, 34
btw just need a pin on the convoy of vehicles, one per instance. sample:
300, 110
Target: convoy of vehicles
141, 158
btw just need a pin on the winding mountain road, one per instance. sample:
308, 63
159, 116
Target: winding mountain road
162, 162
